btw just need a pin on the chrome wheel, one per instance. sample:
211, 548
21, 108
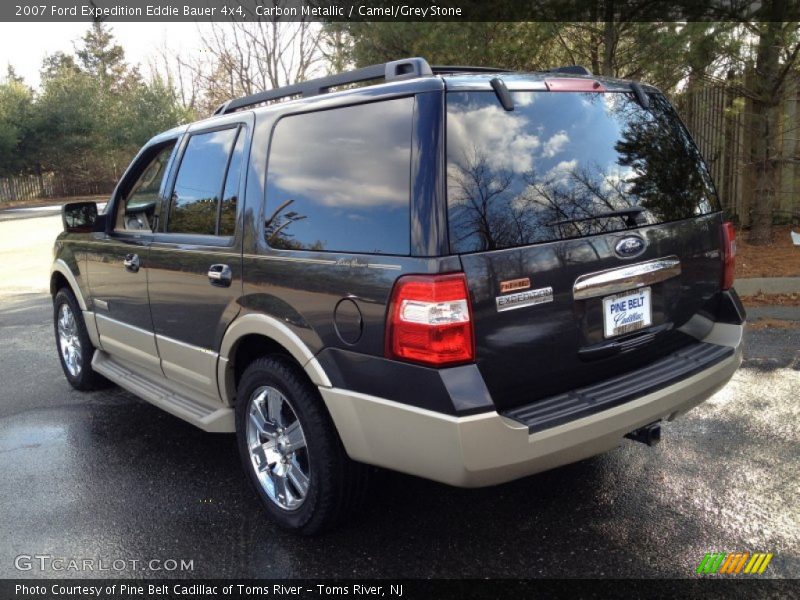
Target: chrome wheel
68, 341
277, 445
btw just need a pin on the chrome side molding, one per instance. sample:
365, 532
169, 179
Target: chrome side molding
625, 278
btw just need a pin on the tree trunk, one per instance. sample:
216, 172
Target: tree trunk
609, 40
766, 108
594, 50
594, 53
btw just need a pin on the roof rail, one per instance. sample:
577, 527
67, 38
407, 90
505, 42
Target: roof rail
395, 70
445, 69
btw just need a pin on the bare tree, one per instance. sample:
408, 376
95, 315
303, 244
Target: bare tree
479, 191
239, 58
180, 73
249, 57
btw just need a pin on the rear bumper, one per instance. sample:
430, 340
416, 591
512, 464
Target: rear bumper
488, 448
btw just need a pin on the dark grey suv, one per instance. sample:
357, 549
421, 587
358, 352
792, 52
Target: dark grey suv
464, 274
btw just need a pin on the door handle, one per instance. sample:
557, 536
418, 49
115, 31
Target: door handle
220, 275
131, 262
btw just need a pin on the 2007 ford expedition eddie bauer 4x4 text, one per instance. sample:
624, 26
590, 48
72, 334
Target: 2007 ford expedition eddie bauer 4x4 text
461, 273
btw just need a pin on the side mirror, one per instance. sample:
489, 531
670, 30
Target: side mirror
79, 217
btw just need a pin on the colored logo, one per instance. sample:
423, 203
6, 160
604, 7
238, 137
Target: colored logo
734, 563
630, 247
514, 285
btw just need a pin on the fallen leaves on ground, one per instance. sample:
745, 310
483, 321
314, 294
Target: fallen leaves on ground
769, 323
762, 299
781, 258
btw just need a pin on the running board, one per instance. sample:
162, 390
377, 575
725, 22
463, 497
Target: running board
181, 405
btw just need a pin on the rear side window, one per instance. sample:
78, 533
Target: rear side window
339, 180
230, 193
204, 185
565, 165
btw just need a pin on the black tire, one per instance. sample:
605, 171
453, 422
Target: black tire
336, 484
84, 378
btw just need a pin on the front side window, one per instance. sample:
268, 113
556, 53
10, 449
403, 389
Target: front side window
138, 207
199, 186
565, 165
339, 180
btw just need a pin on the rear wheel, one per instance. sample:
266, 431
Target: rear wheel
75, 349
291, 451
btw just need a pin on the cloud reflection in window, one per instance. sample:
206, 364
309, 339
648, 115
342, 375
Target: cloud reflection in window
339, 179
544, 171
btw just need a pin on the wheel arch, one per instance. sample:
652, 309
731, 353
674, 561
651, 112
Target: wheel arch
254, 335
61, 276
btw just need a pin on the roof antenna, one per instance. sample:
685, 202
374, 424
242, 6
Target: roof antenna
500, 89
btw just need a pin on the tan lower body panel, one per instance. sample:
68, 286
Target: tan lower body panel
488, 449
189, 365
171, 396
130, 343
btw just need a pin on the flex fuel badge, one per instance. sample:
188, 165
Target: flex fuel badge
515, 285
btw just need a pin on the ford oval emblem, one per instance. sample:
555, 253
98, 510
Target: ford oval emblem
630, 247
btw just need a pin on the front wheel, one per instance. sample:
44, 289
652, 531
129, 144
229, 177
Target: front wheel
291, 451
75, 349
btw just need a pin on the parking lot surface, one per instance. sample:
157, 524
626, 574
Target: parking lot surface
107, 476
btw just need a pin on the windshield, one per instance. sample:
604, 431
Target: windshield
564, 165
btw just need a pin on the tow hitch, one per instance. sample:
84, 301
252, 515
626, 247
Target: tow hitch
649, 434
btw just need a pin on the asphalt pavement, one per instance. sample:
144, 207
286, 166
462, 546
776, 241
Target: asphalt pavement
104, 475
29, 212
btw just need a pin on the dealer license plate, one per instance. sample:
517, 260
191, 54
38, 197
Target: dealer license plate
626, 312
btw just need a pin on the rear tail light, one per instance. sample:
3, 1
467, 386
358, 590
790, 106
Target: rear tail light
728, 254
430, 320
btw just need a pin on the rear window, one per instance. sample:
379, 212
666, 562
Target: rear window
564, 165
339, 180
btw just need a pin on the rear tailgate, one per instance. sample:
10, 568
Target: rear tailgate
533, 351
588, 230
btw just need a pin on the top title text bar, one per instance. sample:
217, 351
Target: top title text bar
383, 10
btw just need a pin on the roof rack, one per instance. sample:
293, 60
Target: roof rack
395, 70
445, 69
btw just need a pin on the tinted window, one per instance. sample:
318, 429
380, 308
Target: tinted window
227, 212
137, 210
196, 196
339, 179
547, 170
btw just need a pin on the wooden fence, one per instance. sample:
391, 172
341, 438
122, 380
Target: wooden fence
717, 114
47, 185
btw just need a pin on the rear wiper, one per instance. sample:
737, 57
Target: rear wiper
631, 213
